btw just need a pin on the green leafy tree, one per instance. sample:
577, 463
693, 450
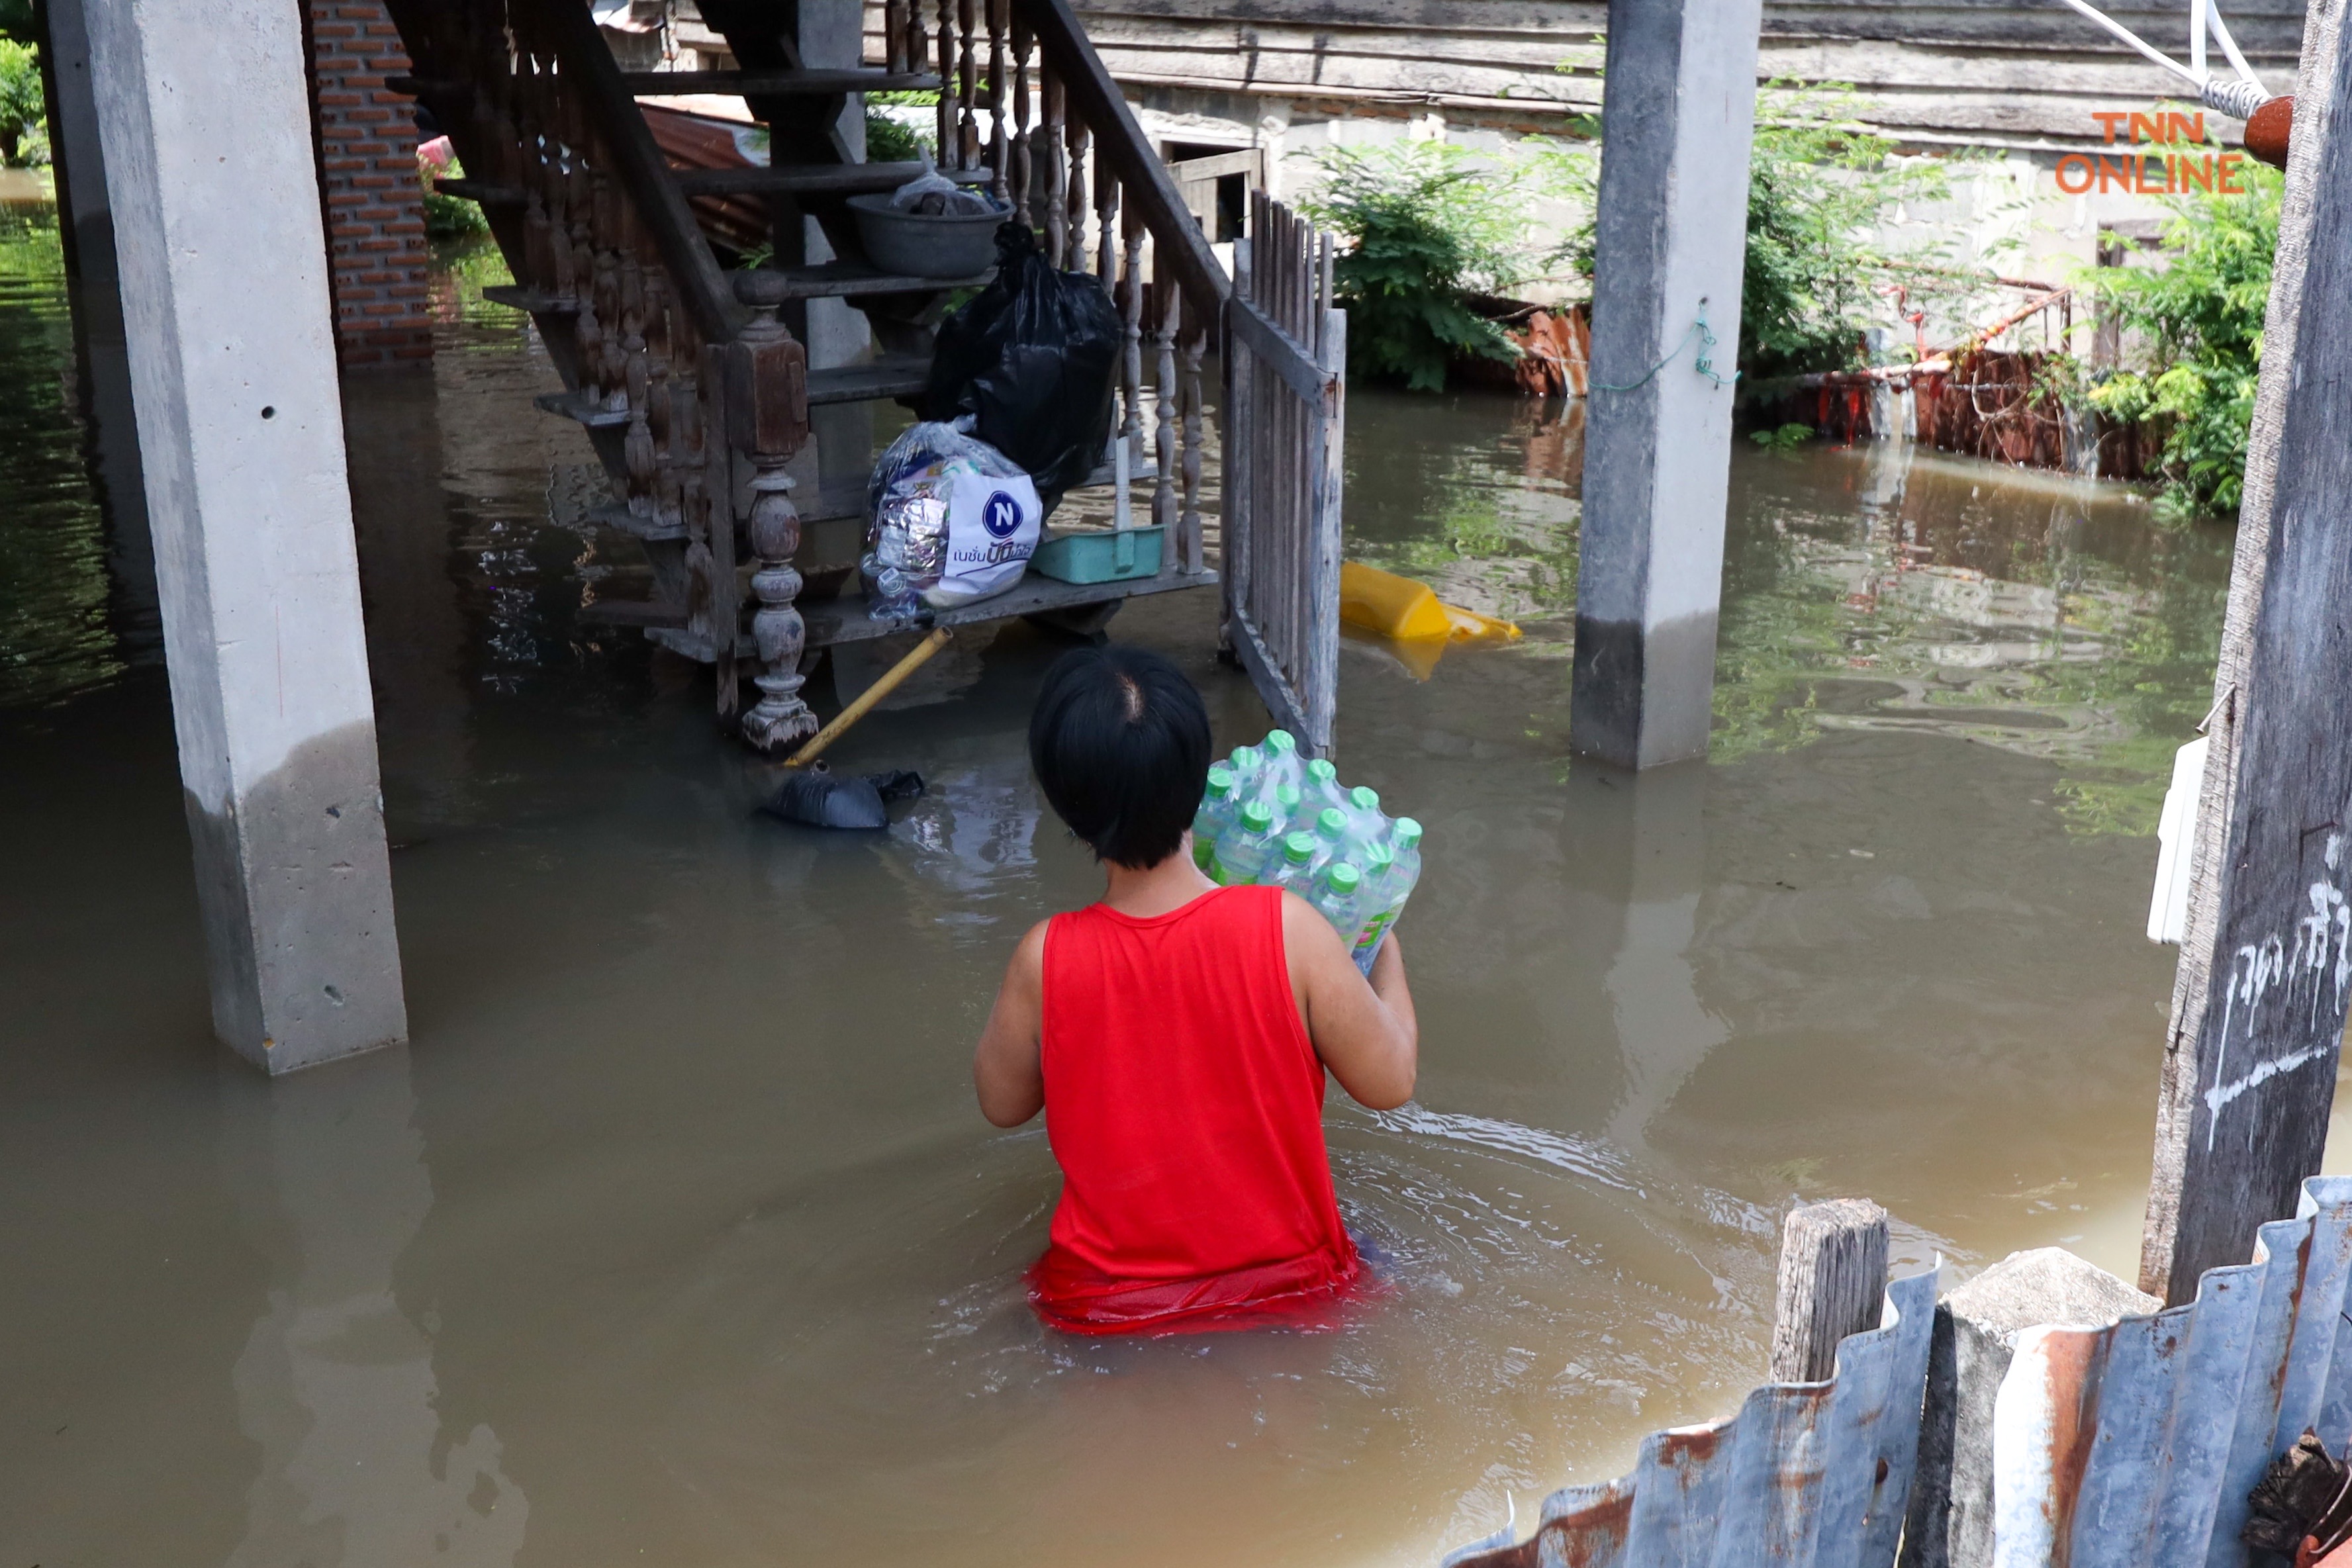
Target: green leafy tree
1820, 184
1425, 226
2200, 315
22, 111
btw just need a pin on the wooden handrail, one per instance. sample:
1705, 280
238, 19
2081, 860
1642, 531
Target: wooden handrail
1144, 179
644, 172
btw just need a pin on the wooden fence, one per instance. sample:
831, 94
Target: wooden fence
1285, 379
2131, 1445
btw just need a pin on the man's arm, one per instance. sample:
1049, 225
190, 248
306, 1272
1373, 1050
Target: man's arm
1366, 1034
1006, 1069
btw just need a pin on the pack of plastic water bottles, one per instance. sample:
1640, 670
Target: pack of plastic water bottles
1271, 818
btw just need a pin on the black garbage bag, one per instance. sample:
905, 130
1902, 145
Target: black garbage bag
822, 798
1032, 357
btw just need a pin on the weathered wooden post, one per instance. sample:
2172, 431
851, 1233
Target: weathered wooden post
2258, 1003
223, 269
1833, 1283
1677, 115
767, 416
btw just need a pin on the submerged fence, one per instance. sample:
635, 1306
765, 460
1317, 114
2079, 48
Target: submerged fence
2129, 1445
2137, 1443
1807, 1473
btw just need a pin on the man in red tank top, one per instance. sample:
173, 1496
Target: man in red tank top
1177, 1034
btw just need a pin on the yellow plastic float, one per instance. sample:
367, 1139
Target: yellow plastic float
1410, 615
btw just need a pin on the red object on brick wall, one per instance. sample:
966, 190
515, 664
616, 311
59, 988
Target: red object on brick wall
367, 170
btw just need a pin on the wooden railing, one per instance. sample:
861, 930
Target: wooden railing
648, 331
695, 392
1028, 101
1286, 380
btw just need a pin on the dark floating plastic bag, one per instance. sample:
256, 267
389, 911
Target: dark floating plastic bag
1032, 359
825, 799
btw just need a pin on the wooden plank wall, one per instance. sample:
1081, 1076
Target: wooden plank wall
1987, 72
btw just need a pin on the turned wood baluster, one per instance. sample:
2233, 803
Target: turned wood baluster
946, 44
919, 42
1107, 199
588, 332
999, 151
1130, 304
658, 349
1163, 337
638, 454
1188, 531
1058, 214
538, 233
1024, 42
605, 284
1078, 139
967, 84
767, 413
894, 36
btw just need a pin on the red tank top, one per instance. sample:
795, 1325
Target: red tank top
1185, 1104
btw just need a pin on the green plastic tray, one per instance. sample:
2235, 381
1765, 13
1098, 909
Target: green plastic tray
1101, 555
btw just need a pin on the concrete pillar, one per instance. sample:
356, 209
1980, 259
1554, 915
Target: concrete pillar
82, 217
207, 133
1677, 117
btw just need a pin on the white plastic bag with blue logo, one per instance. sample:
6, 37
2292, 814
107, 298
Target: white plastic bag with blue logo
948, 520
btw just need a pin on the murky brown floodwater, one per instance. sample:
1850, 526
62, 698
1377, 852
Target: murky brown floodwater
674, 1237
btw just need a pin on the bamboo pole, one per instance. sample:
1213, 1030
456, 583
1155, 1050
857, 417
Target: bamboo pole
891, 680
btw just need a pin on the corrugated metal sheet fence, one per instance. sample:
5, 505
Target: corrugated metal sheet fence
2138, 1444
1807, 1474
2132, 1446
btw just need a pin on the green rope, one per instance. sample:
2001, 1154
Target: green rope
1701, 363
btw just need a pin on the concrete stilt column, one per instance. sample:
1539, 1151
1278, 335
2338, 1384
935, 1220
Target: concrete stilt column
207, 135
82, 218
1676, 118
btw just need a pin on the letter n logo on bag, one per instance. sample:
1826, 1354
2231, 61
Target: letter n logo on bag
1001, 516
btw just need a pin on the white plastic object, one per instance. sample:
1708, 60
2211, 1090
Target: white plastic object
2167, 907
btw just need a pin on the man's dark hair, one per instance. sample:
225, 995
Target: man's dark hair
1120, 743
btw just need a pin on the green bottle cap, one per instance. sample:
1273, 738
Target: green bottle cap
1343, 878
1366, 798
1258, 818
1321, 771
1408, 832
1245, 760
1221, 783
1331, 822
1377, 858
1299, 848
1286, 796
1281, 742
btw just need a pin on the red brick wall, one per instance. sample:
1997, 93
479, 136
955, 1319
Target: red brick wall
367, 174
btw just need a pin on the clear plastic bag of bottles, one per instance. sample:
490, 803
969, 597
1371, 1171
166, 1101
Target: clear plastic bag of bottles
1272, 818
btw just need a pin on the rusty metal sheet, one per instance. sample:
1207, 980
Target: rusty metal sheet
2135, 1445
1808, 1475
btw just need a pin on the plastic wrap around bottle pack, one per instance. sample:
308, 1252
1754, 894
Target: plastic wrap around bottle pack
948, 520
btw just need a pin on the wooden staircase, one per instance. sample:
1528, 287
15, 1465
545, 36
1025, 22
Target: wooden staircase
689, 373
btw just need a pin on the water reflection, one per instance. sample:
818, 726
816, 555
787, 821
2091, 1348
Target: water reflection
1878, 587
67, 622
335, 1384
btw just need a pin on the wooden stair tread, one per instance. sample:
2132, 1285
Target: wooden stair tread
592, 413
834, 279
774, 83
895, 376
812, 179
485, 192
516, 297
846, 621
